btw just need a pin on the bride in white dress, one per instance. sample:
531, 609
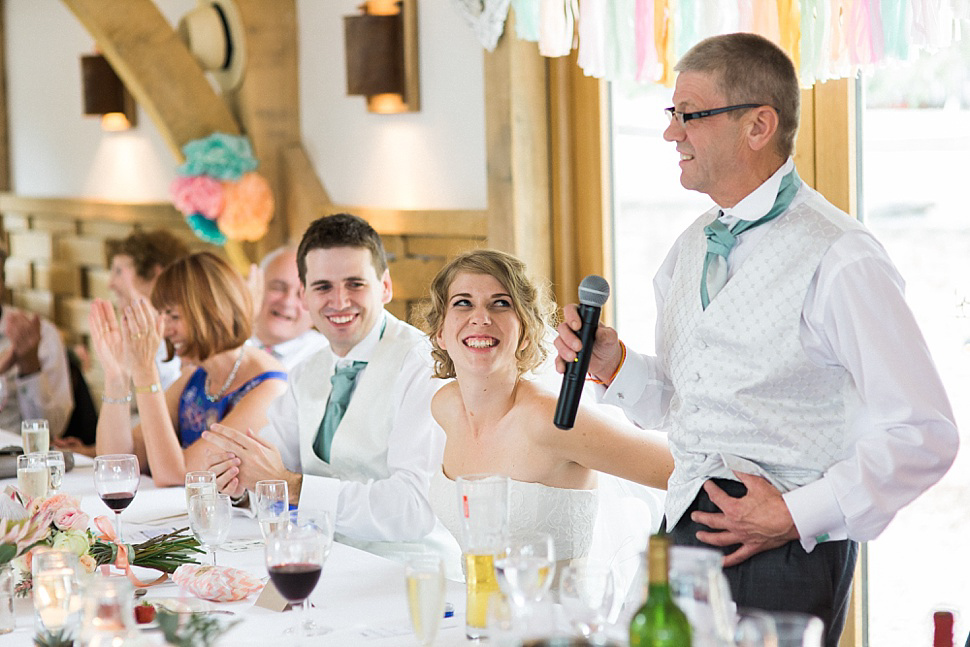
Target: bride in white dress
487, 321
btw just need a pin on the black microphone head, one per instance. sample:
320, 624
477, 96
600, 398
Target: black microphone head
594, 291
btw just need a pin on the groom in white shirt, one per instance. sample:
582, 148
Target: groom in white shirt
368, 462
802, 406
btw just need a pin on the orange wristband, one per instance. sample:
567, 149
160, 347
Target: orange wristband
596, 380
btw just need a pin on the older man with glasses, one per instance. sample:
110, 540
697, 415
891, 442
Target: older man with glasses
802, 406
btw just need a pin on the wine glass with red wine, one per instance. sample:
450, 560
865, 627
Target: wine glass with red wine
295, 554
116, 481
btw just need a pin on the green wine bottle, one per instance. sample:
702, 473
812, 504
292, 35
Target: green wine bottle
659, 622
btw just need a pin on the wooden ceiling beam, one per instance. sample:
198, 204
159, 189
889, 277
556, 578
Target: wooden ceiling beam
157, 68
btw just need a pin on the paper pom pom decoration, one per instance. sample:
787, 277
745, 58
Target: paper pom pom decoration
219, 192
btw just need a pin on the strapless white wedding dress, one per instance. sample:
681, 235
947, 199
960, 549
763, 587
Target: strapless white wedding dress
567, 515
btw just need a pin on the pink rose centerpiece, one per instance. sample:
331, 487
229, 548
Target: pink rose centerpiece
58, 523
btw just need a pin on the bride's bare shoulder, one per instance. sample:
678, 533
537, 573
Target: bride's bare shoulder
445, 401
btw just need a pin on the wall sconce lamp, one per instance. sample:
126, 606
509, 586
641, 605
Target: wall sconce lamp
382, 55
105, 95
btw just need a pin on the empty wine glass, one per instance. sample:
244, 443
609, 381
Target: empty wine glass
116, 482
586, 594
55, 465
201, 482
425, 578
295, 554
209, 518
271, 503
525, 569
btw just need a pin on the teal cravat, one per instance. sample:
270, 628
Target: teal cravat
342, 386
721, 240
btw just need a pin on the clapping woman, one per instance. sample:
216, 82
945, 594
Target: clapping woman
201, 308
488, 321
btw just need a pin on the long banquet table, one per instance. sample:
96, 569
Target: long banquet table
360, 596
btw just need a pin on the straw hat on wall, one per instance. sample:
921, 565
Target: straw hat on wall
213, 32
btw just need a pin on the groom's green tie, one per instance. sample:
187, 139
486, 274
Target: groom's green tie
342, 386
721, 240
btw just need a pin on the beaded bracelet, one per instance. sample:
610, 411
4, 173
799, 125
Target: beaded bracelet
151, 388
596, 380
109, 400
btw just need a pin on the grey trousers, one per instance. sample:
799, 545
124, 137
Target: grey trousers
784, 578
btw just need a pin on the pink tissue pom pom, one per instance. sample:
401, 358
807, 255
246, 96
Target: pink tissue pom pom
248, 208
198, 194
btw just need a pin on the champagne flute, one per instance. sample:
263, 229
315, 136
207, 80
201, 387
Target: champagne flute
295, 555
271, 502
586, 594
525, 569
116, 482
32, 475
425, 578
209, 517
35, 436
55, 465
201, 482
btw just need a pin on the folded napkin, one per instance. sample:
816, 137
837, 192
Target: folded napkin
216, 583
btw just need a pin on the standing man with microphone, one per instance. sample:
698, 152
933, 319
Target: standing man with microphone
802, 407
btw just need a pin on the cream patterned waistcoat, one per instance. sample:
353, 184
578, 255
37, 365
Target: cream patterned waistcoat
359, 449
746, 397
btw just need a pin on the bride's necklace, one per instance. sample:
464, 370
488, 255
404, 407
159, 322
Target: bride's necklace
225, 387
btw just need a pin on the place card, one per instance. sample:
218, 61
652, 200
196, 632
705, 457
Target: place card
241, 545
270, 598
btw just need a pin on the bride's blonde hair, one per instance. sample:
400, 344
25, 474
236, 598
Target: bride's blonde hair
530, 300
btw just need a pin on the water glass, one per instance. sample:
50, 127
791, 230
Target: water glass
32, 475
483, 507
425, 579
55, 467
586, 593
8, 579
35, 436
56, 592
525, 568
700, 589
209, 518
758, 628
202, 482
108, 614
271, 502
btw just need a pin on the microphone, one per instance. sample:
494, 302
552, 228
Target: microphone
593, 293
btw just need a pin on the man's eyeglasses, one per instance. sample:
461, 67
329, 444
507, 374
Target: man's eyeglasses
683, 117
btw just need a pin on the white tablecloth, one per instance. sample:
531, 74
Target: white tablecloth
360, 596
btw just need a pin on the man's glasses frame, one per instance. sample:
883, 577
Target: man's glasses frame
683, 117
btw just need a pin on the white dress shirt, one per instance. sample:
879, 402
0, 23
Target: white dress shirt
293, 351
391, 509
44, 394
902, 436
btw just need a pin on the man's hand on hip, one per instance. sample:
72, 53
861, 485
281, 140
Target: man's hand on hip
759, 520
